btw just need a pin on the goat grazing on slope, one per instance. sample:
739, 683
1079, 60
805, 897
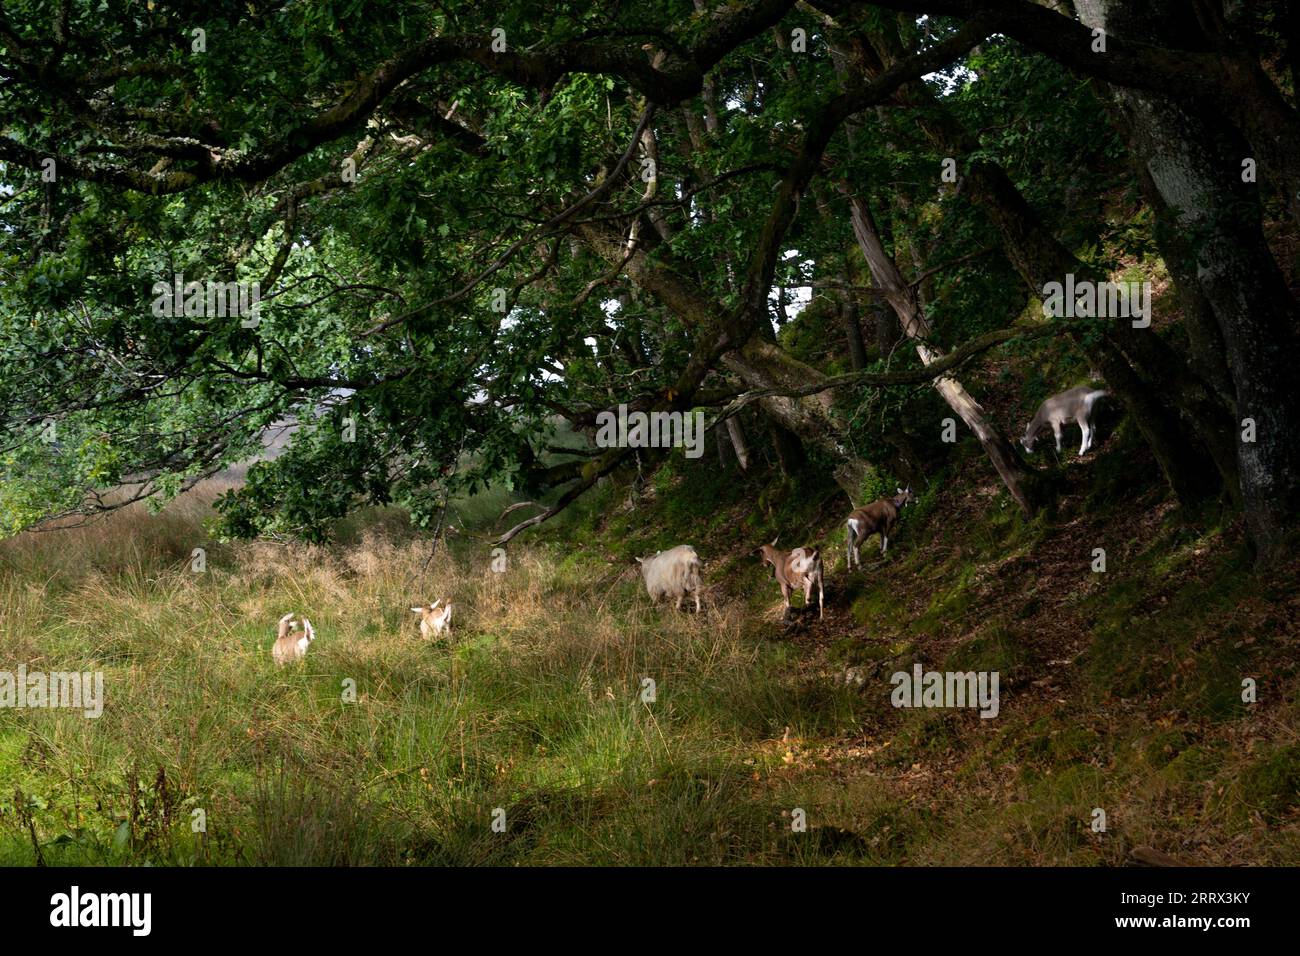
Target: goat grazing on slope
674, 573
1072, 405
879, 516
800, 568
290, 643
434, 620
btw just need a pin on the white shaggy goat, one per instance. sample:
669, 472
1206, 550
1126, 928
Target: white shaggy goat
674, 573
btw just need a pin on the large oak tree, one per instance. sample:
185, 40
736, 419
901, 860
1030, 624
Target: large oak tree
469, 224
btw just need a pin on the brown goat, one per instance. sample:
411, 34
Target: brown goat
879, 516
292, 639
433, 619
800, 568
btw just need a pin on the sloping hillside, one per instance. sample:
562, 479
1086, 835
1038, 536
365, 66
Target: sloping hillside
1121, 690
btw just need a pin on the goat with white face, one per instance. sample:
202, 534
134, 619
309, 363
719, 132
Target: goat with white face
800, 568
292, 639
434, 620
879, 516
1073, 405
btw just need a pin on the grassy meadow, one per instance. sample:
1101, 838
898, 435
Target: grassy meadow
1119, 691
535, 707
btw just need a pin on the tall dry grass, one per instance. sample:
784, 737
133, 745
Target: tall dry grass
536, 707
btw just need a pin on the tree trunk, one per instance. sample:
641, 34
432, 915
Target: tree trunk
885, 326
1206, 352
846, 302
737, 435
1211, 405
851, 321
789, 449
902, 297
1196, 167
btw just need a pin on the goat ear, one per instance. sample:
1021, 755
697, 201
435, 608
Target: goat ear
417, 610
639, 560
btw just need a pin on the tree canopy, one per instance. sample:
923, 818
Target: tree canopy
469, 224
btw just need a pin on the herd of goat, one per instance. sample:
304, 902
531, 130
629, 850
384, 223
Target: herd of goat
675, 574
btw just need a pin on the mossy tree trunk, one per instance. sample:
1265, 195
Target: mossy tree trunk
1197, 165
